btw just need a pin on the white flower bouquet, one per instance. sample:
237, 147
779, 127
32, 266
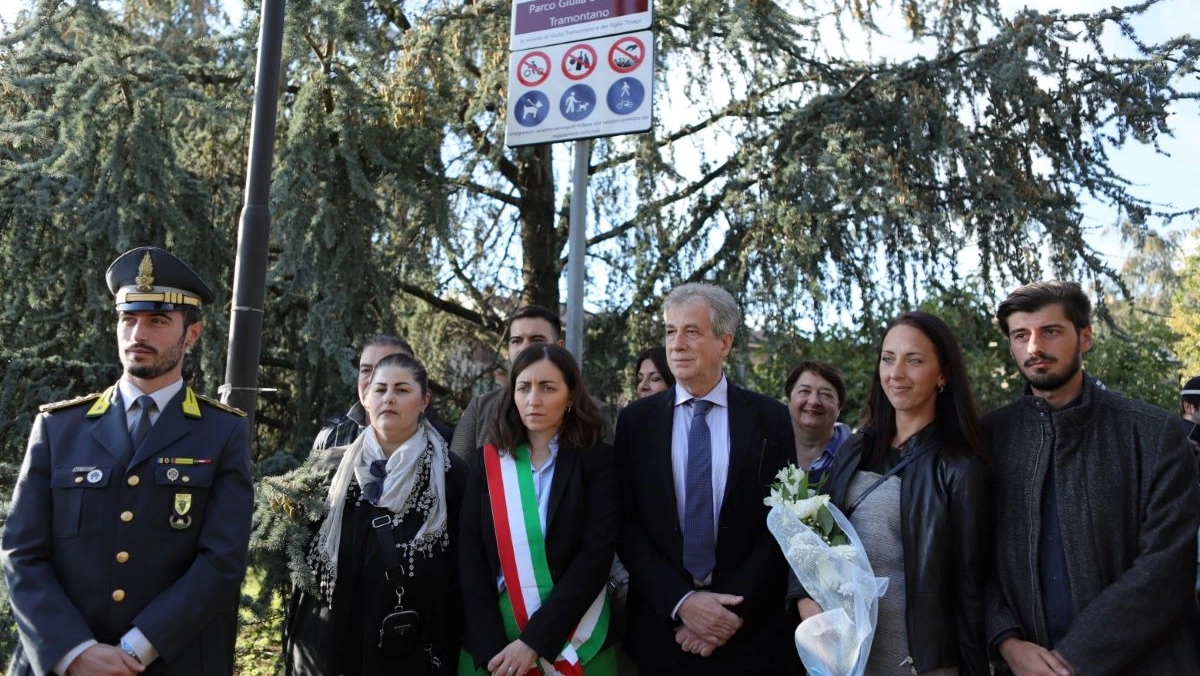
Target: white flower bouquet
828, 559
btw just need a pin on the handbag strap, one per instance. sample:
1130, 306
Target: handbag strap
381, 523
904, 462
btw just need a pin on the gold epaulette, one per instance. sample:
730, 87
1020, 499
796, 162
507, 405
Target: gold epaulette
228, 409
68, 403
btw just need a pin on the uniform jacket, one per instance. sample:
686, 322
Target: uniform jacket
945, 502
1129, 509
89, 550
581, 533
748, 560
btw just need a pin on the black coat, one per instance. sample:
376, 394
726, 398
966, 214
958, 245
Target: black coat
946, 528
342, 638
581, 533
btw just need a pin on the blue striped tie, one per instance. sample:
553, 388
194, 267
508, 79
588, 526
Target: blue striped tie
699, 537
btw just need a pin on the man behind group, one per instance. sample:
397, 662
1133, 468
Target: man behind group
529, 325
707, 579
344, 429
1097, 510
126, 543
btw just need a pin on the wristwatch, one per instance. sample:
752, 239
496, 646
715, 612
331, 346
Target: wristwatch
130, 651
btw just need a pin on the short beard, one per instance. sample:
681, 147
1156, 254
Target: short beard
166, 361
1049, 382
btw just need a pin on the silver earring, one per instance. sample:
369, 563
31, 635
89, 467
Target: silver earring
941, 388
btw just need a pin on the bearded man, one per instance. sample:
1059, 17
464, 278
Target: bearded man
1096, 514
125, 546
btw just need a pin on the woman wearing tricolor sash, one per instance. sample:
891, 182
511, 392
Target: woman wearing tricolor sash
539, 525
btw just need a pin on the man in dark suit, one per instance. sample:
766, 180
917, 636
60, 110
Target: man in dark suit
125, 547
707, 579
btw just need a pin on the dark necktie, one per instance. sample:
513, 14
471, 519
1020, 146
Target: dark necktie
699, 538
141, 425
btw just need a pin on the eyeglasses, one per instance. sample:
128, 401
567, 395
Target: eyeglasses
374, 489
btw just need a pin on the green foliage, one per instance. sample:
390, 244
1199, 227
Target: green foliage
827, 192
1185, 314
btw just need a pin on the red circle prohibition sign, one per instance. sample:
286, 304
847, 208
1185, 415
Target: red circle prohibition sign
579, 61
533, 69
626, 54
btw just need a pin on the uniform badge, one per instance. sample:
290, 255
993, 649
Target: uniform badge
173, 474
94, 476
183, 504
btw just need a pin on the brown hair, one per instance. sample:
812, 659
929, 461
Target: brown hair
583, 425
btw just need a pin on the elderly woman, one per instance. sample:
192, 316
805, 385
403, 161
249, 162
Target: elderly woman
383, 563
539, 527
816, 393
914, 483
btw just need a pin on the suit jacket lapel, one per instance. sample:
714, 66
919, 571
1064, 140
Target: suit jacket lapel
169, 427
742, 421
564, 468
661, 424
111, 430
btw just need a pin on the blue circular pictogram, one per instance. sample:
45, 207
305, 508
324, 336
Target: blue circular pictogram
626, 95
577, 102
531, 108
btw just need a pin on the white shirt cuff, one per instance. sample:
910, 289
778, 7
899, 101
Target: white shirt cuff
61, 666
141, 645
675, 611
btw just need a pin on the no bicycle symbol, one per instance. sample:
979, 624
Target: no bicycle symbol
533, 69
626, 54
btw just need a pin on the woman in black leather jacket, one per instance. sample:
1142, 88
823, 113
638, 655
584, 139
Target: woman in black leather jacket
915, 484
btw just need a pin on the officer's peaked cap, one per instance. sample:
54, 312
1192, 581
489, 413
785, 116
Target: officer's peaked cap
1191, 388
149, 279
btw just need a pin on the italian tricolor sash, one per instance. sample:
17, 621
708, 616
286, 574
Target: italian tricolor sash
522, 549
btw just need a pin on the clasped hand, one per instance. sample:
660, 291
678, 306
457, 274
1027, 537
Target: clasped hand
707, 622
102, 659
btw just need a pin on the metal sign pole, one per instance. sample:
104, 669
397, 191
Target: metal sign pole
577, 251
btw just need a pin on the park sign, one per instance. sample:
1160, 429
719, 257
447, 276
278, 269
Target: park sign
579, 69
537, 23
587, 89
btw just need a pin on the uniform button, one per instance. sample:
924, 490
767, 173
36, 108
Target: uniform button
186, 478
122, 557
127, 516
118, 595
78, 479
133, 480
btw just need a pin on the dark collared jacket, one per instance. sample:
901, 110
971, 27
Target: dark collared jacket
1129, 508
946, 529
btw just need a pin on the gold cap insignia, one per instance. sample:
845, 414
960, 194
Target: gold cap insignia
145, 278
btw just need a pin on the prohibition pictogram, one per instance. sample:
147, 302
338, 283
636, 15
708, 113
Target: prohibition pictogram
579, 61
626, 54
533, 69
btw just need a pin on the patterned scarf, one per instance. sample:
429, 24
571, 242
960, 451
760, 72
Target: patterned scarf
415, 485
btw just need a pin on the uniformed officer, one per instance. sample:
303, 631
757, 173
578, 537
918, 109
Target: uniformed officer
125, 547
